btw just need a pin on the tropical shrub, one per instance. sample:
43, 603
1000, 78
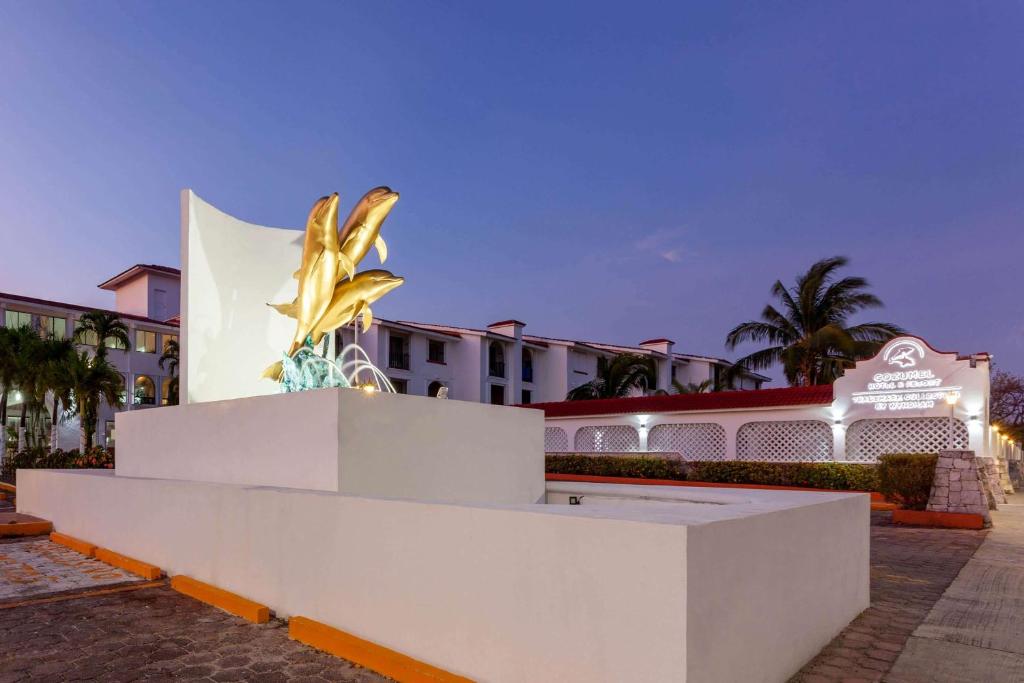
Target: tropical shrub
41, 458
907, 478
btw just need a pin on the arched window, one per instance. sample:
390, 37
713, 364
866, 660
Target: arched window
433, 388
496, 360
527, 365
145, 391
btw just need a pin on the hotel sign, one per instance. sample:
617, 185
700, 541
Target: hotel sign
906, 383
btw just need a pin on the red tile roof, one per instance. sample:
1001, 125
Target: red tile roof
716, 400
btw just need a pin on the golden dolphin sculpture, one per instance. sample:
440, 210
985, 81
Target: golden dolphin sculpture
330, 293
360, 231
362, 227
351, 299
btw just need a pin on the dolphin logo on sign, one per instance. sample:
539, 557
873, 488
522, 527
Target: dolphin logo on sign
904, 353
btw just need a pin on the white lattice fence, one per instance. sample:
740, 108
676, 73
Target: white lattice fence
616, 438
555, 440
868, 439
698, 441
791, 441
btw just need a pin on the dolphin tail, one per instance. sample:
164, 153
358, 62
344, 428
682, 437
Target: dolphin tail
274, 372
347, 266
382, 248
290, 310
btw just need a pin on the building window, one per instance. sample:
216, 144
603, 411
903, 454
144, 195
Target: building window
14, 319
497, 395
145, 341
527, 366
398, 352
435, 351
51, 326
168, 338
87, 337
401, 385
144, 393
496, 361
108, 431
433, 388
527, 397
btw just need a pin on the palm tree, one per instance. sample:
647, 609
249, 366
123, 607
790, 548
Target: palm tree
106, 326
170, 357
93, 380
41, 364
811, 336
9, 342
622, 375
58, 380
692, 387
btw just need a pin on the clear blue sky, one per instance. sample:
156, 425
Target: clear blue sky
617, 173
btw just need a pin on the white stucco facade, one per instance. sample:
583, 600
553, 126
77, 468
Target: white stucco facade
147, 300
876, 407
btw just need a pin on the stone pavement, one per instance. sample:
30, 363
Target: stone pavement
975, 632
148, 632
910, 569
35, 566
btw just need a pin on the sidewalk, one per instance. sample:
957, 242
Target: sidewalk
975, 632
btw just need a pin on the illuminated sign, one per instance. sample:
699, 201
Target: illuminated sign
907, 386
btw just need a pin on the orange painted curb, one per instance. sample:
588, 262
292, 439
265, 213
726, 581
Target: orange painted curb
222, 599
78, 545
946, 520
595, 479
143, 569
370, 655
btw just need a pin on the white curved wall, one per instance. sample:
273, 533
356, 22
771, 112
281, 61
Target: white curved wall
230, 271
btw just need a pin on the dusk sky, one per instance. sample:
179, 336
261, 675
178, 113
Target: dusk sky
611, 171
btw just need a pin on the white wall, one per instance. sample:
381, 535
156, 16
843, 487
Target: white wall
230, 271
949, 373
638, 592
285, 440
343, 440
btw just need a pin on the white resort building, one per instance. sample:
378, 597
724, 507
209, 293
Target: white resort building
501, 365
147, 301
498, 364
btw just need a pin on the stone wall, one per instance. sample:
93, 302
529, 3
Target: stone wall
990, 470
960, 485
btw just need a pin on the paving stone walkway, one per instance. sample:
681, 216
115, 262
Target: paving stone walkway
910, 570
975, 632
37, 566
147, 632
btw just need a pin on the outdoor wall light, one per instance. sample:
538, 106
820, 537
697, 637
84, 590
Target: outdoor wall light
951, 398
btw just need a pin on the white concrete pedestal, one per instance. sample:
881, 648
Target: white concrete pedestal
346, 441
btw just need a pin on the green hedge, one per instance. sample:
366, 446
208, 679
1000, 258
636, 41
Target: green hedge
640, 467
41, 458
837, 476
907, 478
819, 475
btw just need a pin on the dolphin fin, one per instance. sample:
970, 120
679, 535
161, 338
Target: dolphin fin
367, 318
382, 248
297, 273
290, 310
274, 372
346, 264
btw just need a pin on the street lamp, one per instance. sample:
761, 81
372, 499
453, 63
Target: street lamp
951, 399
